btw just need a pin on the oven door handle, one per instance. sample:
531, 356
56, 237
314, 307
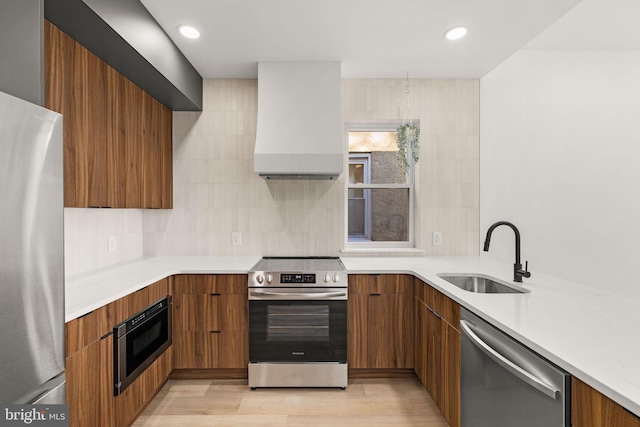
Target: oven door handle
299, 295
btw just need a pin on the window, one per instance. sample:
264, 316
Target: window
379, 196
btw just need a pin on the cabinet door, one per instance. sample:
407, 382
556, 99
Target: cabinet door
357, 328
380, 321
90, 385
132, 168
166, 140
421, 340
450, 400
117, 138
233, 339
132, 401
590, 408
385, 331
95, 120
437, 354
434, 352
151, 152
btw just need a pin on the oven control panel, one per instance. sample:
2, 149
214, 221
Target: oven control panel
263, 278
297, 278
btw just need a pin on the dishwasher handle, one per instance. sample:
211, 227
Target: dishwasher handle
514, 369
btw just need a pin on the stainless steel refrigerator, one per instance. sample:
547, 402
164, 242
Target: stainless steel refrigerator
31, 254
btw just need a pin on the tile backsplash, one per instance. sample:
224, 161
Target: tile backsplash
216, 191
86, 238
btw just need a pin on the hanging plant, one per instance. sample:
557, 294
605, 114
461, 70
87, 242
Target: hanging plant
408, 138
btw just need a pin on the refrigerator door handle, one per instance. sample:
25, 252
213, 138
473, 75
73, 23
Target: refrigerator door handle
511, 367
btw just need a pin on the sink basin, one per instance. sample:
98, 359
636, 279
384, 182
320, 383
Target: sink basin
481, 284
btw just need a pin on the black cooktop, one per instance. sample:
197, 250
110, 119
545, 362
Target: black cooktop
302, 264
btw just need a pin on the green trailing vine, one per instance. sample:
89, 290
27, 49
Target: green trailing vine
408, 137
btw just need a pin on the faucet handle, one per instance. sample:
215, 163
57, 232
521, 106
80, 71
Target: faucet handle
526, 273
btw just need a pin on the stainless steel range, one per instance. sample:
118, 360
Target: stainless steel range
298, 323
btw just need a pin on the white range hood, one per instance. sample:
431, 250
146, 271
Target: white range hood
299, 121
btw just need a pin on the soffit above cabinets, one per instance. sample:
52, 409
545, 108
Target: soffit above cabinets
385, 38
125, 36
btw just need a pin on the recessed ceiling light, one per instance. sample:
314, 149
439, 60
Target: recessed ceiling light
456, 33
188, 31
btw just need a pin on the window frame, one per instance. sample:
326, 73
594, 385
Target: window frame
409, 185
365, 160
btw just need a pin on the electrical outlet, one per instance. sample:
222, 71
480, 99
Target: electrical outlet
437, 238
236, 238
113, 243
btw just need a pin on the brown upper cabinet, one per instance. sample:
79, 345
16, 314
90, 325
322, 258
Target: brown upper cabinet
117, 138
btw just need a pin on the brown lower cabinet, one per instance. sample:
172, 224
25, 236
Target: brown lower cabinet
590, 408
210, 328
380, 321
437, 349
89, 364
90, 385
394, 322
130, 404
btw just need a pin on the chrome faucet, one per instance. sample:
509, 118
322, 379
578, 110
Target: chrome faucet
518, 272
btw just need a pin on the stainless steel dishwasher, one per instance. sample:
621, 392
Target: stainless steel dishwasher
505, 384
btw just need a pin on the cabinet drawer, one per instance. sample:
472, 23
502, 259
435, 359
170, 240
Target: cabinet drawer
444, 306
213, 349
380, 284
210, 284
87, 329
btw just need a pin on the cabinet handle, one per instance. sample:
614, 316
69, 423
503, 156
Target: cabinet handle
215, 332
374, 295
435, 313
215, 295
106, 335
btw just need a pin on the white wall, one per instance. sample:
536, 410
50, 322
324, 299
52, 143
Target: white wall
560, 158
86, 233
216, 190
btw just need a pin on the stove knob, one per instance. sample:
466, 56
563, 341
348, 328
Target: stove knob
269, 278
259, 278
336, 277
327, 278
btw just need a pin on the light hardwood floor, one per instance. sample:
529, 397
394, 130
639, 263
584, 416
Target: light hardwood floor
370, 402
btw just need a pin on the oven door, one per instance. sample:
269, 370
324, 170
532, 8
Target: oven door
298, 330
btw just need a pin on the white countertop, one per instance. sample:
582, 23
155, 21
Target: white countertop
587, 331
86, 292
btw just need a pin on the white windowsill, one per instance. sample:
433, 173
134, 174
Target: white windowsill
386, 251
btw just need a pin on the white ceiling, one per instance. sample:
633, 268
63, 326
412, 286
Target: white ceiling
594, 25
371, 38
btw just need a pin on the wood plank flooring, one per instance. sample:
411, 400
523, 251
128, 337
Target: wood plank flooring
365, 402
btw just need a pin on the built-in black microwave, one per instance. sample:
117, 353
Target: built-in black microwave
140, 340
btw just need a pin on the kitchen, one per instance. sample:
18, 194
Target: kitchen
216, 191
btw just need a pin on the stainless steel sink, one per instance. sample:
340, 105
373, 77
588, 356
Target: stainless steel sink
481, 284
